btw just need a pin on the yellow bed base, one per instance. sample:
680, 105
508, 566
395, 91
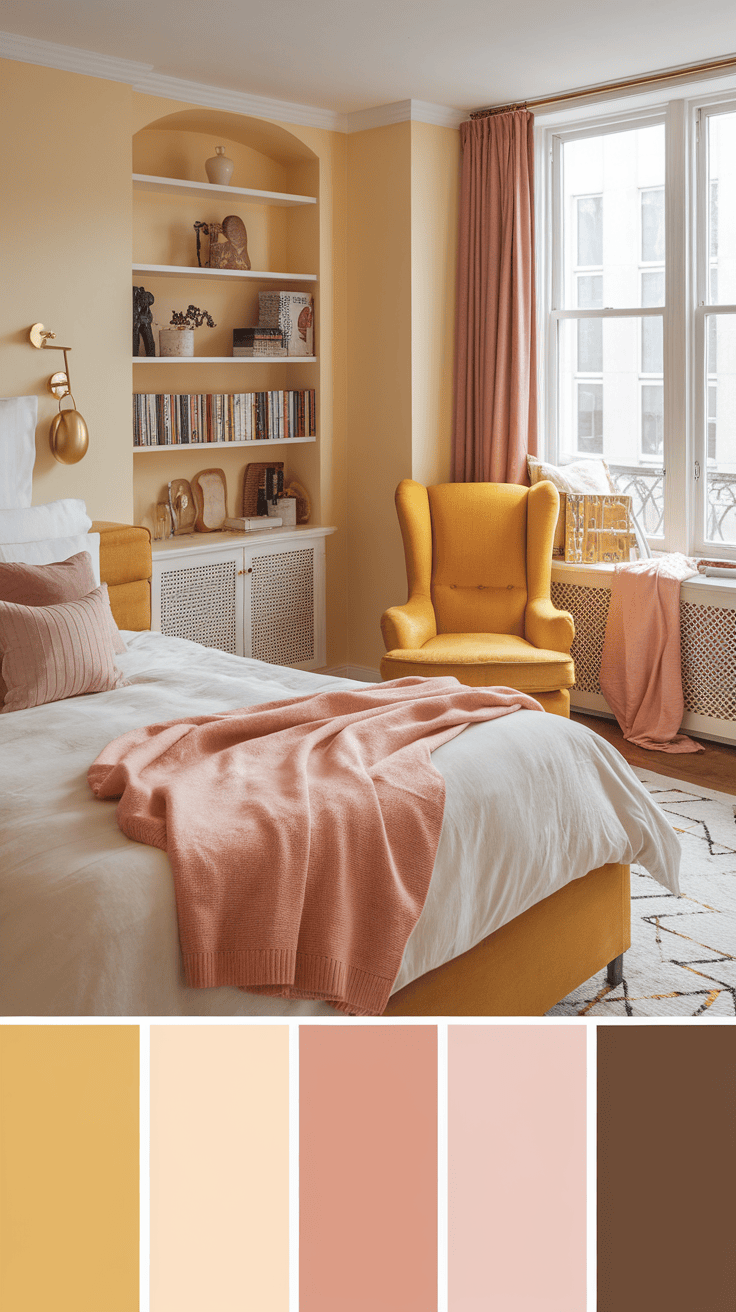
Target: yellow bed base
535, 960
125, 566
522, 969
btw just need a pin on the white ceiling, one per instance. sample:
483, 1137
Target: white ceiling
347, 55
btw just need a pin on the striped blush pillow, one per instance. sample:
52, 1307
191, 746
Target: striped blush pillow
53, 652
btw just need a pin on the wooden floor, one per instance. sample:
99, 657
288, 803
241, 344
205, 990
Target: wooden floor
713, 768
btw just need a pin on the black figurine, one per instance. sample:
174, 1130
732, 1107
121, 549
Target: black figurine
142, 302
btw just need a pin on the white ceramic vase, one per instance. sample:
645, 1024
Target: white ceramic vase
176, 341
219, 169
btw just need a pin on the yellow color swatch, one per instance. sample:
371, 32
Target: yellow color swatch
69, 1179
219, 1168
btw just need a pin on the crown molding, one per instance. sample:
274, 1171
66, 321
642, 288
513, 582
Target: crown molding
239, 102
404, 111
69, 59
144, 78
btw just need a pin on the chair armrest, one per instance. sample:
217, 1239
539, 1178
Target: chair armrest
410, 626
548, 627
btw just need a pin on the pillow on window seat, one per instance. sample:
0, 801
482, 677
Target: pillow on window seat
581, 476
589, 476
52, 652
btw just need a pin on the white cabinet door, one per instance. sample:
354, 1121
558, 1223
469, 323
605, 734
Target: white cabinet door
284, 602
199, 595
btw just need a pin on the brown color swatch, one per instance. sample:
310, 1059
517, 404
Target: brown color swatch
666, 1167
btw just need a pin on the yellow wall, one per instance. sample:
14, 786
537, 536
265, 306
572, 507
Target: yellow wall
382, 242
379, 374
402, 230
65, 215
435, 183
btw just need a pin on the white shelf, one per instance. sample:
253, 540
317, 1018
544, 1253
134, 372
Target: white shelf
188, 271
148, 182
210, 446
224, 359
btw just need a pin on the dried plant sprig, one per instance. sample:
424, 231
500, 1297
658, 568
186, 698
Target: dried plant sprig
192, 317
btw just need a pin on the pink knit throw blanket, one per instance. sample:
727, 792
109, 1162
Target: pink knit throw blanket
640, 674
302, 834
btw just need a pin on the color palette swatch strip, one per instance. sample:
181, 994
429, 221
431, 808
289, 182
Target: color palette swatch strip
431, 1168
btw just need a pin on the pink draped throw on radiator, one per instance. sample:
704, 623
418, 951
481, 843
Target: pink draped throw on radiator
302, 834
641, 677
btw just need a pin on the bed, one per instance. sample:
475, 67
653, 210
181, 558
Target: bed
529, 895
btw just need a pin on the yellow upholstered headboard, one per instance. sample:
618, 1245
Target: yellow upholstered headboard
125, 566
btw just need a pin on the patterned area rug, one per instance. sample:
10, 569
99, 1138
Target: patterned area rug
682, 959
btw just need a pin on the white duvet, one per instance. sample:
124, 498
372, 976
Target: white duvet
88, 923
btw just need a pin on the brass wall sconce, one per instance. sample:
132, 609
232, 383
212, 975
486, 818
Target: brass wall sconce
68, 433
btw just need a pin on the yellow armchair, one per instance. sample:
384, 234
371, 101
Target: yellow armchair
478, 565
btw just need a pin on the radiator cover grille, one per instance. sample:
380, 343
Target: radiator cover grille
707, 634
198, 602
282, 607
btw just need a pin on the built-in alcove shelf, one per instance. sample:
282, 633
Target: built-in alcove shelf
223, 275
224, 359
181, 187
225, 446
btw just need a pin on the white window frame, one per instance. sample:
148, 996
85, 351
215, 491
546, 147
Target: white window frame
682, 109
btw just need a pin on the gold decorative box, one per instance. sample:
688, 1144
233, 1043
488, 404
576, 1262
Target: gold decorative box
598, 528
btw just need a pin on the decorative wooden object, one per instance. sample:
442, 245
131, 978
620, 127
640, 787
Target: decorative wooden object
303, 504
210, 499
598, 528
181, 506
229, 244
255, 478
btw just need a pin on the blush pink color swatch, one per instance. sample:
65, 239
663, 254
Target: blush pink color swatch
517, 1168
368, 1168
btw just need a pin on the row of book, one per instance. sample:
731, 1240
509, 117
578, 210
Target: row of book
188, 420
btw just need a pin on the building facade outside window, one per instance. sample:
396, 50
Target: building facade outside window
637, 256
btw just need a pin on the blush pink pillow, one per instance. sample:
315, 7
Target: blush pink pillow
53, 652
48, 585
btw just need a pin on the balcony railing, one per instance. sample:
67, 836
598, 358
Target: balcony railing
646, 486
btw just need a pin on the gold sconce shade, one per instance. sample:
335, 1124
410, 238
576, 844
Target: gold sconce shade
69, 436
68, 433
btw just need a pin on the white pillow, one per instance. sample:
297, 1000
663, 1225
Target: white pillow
581, 476
50, 550
57, 519
17, 449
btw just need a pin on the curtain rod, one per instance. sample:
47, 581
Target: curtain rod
683, 70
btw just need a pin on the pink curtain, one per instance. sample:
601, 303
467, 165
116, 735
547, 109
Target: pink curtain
495, 350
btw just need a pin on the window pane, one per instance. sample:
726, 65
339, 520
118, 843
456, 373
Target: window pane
652, 345
652, 287
613, 215
652, 419
720, 419
590, 346
722, 207
590, 291
652, 226
590, 417
617, 413
590, 230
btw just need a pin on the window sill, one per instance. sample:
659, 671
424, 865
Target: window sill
698, 588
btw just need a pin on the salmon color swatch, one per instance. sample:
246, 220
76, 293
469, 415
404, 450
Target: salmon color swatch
219, 1168
368, 1168
666, 1167
69, 1179
517, 1168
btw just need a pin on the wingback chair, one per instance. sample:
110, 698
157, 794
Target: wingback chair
478, 564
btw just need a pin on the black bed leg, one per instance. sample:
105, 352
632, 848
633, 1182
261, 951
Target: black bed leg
615, 971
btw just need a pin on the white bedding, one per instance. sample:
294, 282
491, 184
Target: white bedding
88, 921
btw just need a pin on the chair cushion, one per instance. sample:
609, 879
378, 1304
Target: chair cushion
484, 660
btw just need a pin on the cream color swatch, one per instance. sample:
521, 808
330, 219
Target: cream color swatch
219, 1168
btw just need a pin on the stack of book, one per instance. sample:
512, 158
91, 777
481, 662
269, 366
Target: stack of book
195, 420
